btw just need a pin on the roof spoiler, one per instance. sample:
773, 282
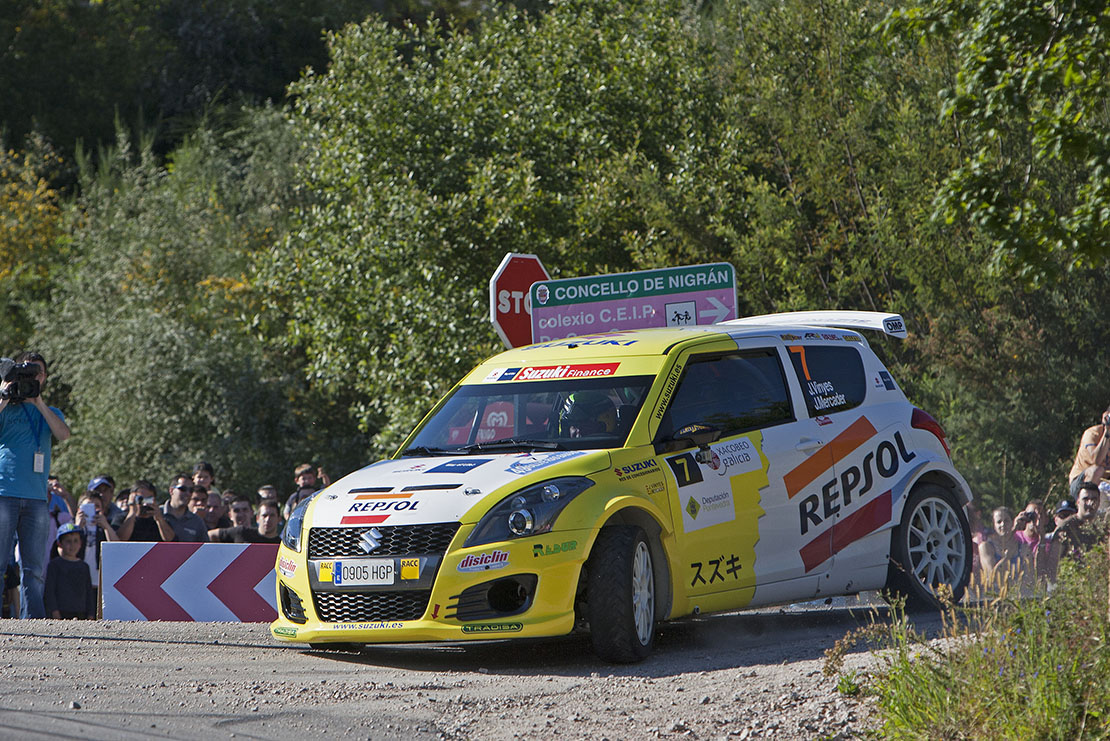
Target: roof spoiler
891, 324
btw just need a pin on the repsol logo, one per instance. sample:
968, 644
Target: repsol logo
386, 506
855, 481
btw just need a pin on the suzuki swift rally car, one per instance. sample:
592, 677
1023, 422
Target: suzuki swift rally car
609, 482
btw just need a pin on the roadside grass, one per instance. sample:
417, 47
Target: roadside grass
1006, 667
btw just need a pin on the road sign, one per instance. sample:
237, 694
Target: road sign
668, 297
189, 581
510, 307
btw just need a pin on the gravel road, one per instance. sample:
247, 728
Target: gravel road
733, 676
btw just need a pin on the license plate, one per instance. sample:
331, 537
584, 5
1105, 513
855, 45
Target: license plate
358, 573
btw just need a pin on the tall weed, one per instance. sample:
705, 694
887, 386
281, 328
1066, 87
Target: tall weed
1010, 666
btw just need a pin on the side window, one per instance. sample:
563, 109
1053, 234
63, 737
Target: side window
731, 393
832, 378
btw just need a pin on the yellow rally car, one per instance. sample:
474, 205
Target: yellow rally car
613, 481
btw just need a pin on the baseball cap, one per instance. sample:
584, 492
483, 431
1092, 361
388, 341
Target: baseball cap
65, 529
1067, 507
98, 481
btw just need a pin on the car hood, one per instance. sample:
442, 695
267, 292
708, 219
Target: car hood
410, 491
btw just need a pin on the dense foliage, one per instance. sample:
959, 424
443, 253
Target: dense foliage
304, 281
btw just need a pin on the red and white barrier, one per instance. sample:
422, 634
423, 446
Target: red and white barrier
202, 582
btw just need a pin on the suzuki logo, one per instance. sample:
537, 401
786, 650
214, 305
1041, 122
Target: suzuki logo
371, 540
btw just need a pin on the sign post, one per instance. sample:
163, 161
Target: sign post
510, 306
667, 297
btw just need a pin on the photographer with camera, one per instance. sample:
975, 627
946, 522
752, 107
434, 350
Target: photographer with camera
145, 521
26, 428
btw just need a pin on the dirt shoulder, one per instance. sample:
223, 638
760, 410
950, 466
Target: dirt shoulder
744, 675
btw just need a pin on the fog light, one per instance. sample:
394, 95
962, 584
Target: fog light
521, 522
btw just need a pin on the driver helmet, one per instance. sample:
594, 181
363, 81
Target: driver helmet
590, 412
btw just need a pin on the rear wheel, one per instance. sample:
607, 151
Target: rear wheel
930, 548
621, 595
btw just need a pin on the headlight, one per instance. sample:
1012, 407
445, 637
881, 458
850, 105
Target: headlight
291, 534
530, 511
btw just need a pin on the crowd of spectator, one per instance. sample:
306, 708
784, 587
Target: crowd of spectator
192, 510
1026, 548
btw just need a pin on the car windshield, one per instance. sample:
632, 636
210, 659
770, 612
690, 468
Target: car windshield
534, 415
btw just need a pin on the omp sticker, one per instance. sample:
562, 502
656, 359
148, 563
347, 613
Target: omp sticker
459, 466
536, 461
484, 561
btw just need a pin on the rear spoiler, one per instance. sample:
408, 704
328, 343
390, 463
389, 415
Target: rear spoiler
891, 324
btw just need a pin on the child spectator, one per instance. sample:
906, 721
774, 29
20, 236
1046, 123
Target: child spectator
68, 593
306, 480
60, 507
204, 475
267, 491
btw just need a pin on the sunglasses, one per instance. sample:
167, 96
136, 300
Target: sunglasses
240, 509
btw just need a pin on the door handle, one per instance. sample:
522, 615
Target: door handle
806, 444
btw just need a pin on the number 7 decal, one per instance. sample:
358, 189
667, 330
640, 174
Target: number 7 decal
801, 351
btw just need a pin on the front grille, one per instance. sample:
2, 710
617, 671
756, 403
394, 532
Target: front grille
370, 607
398, 540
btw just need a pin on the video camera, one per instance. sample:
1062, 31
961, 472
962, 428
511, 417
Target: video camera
23, 378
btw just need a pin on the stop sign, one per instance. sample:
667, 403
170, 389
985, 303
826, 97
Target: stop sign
510, 307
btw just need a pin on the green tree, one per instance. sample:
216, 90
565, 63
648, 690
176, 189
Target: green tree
590, 135
1030, 101
154, 329
32, 236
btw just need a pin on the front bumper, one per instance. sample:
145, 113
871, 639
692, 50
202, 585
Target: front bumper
439, 592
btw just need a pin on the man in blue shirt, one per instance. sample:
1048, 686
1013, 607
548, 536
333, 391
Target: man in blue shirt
26, 428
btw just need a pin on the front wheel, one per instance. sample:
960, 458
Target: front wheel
930, 548
621, 595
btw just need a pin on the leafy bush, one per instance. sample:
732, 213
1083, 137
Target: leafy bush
1008, 667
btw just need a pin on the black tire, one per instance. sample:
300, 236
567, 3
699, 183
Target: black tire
621, 594
930, 547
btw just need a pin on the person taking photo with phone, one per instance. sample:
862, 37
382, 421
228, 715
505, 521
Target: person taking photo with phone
27, 425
